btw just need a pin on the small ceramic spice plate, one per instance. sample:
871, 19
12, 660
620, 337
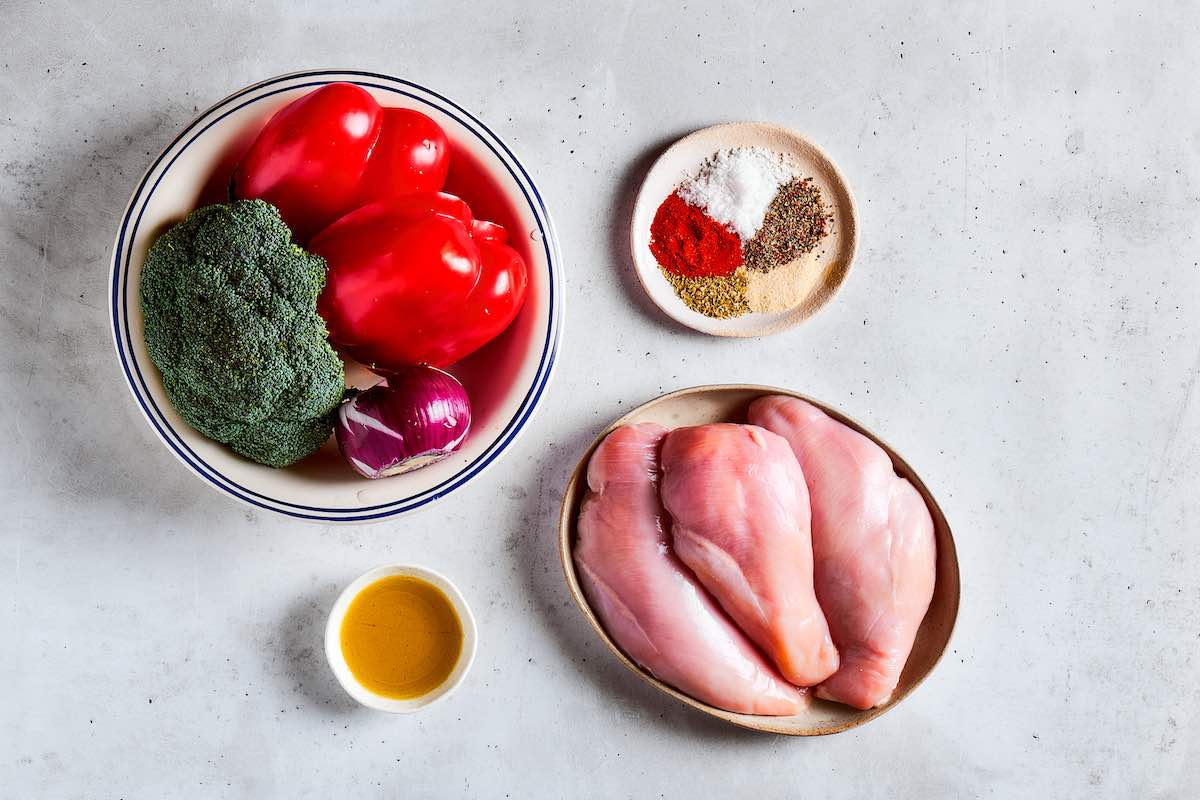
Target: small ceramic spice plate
817, 275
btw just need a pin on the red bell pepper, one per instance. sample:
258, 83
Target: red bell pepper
413, 277
417, 280
336, 149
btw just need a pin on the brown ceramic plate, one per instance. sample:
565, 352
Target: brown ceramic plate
705, 404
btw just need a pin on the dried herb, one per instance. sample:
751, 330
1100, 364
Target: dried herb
719, 297
795, 223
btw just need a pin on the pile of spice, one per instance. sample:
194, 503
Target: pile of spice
689, 243
730, 240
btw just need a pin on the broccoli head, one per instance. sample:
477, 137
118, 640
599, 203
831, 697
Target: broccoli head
230, 309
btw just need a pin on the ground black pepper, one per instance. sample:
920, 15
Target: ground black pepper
795, 223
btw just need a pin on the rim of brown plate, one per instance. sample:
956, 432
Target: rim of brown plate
569, 512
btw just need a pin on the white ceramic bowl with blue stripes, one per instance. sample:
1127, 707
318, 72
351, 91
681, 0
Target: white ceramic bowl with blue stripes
506, 380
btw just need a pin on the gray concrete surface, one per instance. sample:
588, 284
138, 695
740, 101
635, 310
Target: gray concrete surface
1021, 323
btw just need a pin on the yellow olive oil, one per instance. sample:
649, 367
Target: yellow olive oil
401, 637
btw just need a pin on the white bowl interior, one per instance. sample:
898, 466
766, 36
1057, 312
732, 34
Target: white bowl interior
337, 660
828, 264
504, 379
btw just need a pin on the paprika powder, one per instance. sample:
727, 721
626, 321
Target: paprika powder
688, 242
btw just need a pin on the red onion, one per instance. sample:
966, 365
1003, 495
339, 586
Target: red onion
406, 422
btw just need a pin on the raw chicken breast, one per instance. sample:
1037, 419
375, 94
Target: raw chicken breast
873, 544
741, 522
649, 603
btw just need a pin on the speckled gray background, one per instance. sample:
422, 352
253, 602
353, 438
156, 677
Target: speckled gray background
1021, 323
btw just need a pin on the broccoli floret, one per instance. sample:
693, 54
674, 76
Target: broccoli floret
230, 308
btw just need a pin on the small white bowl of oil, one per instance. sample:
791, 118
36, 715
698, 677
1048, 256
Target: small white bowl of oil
399, 638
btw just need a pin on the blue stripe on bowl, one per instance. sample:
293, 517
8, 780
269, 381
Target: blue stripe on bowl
120, 280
